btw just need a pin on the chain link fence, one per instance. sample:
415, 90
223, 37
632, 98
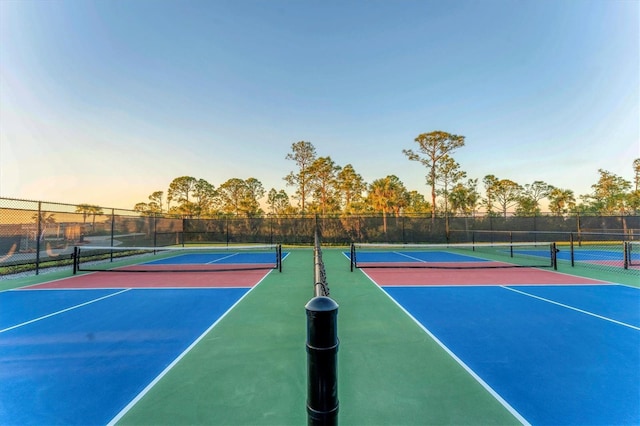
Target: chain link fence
39, 234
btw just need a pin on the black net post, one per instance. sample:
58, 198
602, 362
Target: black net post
511, 244
627, 254
184, 230
352, 257
573, 257
322, 360
155, 233
75, 259
554, 256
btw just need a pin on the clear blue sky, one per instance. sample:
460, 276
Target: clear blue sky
104, 102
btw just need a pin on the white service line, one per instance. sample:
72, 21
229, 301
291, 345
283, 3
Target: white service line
410, 257
64, 310
222, 258
571, 307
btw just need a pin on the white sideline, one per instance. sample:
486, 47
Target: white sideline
164, 372
63, 310
473, 374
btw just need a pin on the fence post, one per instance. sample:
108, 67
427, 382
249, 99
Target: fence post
322, 356
226, 224
113, 230
39, 231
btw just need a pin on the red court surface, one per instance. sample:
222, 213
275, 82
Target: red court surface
157, 280
475, 276
614, 263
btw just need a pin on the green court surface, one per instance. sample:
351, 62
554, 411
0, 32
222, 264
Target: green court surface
251, 368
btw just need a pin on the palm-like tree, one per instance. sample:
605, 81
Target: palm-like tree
387, 195
88, 209
43, 218
561, 201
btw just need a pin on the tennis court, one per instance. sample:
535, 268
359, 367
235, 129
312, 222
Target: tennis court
555, 348
78, 350
426, 337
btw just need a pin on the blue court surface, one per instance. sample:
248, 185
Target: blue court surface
414, 256
80, 356
584, 255
443, 256
222, 258
565, 355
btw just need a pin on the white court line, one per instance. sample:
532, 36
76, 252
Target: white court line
410, 257
223, 258
64, 310
572, 308
480, 259
164, 372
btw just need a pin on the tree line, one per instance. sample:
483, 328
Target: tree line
320, 186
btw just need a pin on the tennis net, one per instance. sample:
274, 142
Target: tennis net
631, 254
454, 256
320, 285
177, 259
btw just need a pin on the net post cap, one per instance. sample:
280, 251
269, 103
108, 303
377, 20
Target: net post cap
321, 304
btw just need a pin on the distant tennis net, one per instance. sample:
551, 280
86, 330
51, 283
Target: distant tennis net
631, 254
454, 256
177, 259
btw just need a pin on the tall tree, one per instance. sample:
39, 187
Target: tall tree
350, 186
154, 206
464, 197
278, 202
634, 197
323, 184
205, 195
180, 189
142, 208
155, 201
186, 209
416, 204
636, 174
505, 192
490, 184
240, 197
303, 154
529, 200
609, 193
435, 146
231, 194
254, 192
448, 174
